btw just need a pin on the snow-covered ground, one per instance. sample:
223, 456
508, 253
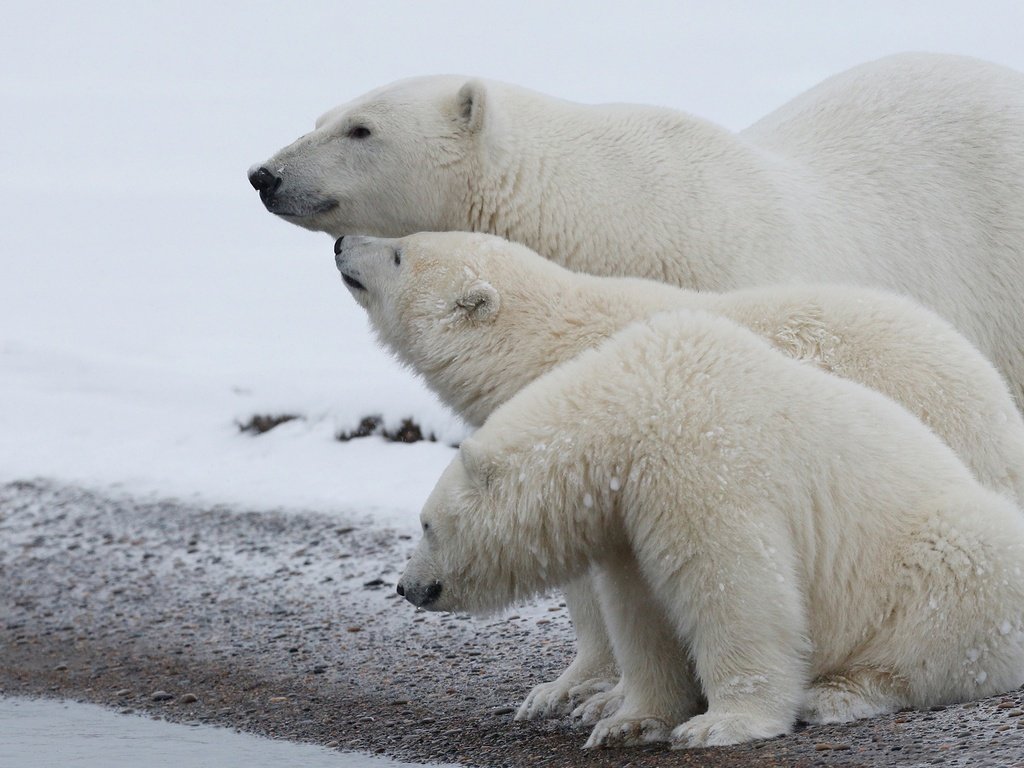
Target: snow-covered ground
148, 302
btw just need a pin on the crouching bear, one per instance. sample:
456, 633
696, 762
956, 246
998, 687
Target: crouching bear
770, 539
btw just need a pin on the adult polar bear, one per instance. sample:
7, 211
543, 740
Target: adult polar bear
480, 318
814, 546
906, 173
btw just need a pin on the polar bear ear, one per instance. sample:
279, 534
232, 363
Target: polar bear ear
475, 462
470, 103
479, 301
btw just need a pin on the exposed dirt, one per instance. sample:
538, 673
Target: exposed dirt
287, 625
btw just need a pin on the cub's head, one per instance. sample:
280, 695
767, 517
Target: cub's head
508, 519
415, 285
453, 566
394, 161
467, 311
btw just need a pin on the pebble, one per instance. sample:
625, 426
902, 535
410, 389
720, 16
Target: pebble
60, 667
123, 692
161, 696
503, 710
823, 746
188, 698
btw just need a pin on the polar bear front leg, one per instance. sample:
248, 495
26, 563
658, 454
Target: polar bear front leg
742, 609
658, 689
592, 670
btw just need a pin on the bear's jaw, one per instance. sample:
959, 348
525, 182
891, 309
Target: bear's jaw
352, 283
302, 211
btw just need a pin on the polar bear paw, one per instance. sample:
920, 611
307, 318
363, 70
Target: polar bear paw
719, 729
559, 696
600, 705
853, 696
628, 732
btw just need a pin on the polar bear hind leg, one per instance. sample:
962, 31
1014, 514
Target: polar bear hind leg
854, 694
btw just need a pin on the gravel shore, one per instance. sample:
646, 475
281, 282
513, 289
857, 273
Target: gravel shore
287, 625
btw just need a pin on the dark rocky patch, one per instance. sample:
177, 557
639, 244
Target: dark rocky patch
259, 423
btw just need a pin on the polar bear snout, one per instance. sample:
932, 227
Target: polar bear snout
264, 182
358, 258
420, 595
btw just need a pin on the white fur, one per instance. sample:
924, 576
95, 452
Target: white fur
906, 173
480, 318
810, 543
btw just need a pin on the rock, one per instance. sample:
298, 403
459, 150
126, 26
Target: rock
188, 698
161, 696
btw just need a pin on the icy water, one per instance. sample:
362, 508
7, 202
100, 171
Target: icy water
54, 734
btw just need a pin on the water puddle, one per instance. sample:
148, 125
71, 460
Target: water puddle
57, 734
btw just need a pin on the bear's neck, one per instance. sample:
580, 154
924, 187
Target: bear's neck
632, 191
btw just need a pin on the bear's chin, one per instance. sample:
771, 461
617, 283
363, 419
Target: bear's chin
308, 213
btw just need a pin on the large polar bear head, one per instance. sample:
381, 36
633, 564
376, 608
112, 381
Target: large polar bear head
468, 311
392, 162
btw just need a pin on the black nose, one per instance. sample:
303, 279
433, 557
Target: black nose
399, 589
264, 182
337, 250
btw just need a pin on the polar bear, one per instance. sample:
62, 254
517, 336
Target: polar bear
906, 174
480, 317
811, 544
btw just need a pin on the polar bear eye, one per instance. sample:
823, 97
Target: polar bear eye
398, 258
358, 132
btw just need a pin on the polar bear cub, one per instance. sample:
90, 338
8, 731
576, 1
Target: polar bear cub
480, 317
807, 539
